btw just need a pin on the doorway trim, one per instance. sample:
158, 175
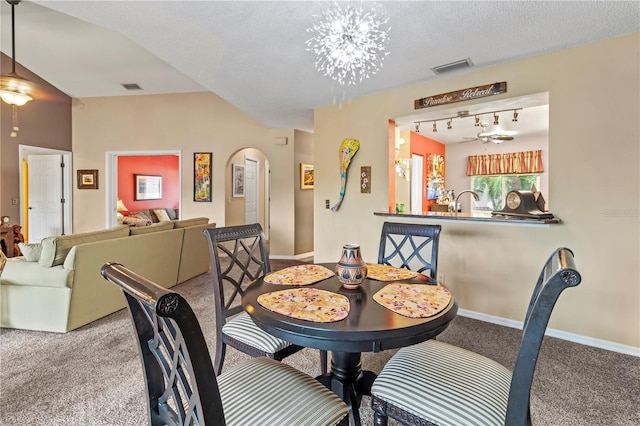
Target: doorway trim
111, 179
256, 186
67, 182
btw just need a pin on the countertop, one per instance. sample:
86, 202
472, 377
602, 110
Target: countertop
471, 217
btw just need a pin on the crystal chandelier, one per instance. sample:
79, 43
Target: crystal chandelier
350, 44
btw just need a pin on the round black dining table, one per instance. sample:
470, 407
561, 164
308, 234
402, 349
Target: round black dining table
369, 327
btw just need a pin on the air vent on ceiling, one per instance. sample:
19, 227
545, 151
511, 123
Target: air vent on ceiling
453, 66
131, 86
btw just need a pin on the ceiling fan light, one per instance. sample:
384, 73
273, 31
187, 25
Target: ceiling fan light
14, 98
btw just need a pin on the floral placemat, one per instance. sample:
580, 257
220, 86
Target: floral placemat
413, 300
299, 275
380, 272
310, 304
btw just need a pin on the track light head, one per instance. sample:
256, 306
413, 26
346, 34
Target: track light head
477, 123
515, 115
449, 124
495, 119
435, 128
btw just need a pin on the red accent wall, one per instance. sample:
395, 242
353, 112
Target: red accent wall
166, 166
422, 145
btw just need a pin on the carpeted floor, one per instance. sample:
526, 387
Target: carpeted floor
92, 376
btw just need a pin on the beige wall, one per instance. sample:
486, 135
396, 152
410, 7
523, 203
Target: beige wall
303, 197
195, 122
594, 143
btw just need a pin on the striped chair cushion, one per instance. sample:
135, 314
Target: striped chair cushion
445, 384
242, 328
267, 392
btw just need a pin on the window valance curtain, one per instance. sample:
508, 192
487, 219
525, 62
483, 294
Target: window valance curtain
508, 163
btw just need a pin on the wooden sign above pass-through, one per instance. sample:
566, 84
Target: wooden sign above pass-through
462, 95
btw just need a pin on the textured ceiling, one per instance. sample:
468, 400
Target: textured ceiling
252, 53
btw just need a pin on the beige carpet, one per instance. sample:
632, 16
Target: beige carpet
92, 376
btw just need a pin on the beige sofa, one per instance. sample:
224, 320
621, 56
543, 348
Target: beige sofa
61, 289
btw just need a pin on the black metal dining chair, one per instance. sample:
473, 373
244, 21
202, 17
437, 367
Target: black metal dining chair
239, 256
435, 383
182, 387
410, 245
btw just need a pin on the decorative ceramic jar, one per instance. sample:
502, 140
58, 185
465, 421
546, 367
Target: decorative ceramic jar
351, 269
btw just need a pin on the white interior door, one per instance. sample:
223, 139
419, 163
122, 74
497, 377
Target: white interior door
250, 190
416, 183
45, 196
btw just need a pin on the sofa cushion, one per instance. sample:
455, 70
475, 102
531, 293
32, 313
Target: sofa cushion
55, 249
161, 226
30, 274
185, 223
143, 214
161, 215
31, 251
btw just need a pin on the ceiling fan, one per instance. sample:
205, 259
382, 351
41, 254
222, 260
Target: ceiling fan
487, 137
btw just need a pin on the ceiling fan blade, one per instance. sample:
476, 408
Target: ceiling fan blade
502, 137
468, 140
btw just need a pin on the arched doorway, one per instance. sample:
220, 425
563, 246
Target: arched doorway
247, 188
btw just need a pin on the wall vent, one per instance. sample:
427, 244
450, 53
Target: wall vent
131, 86
453, 66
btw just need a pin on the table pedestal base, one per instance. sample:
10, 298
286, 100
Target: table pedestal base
349, 382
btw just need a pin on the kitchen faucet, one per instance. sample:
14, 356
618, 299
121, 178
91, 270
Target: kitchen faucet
462, 192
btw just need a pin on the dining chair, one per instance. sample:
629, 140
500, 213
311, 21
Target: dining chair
412, 246
435, 383
182, 387
239, 255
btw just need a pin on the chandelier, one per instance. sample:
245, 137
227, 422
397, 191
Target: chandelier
14, 90
349, 43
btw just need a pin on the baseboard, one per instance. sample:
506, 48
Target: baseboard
571, 337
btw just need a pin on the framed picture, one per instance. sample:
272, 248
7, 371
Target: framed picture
306, 176
202, 177
148, 187
87, 179
237, 180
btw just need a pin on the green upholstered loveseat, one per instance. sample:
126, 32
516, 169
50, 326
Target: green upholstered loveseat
61, 288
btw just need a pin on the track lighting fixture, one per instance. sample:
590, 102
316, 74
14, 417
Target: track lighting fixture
476, 117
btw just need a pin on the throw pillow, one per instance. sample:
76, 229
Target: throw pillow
161, 214
172, 214
31, 252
